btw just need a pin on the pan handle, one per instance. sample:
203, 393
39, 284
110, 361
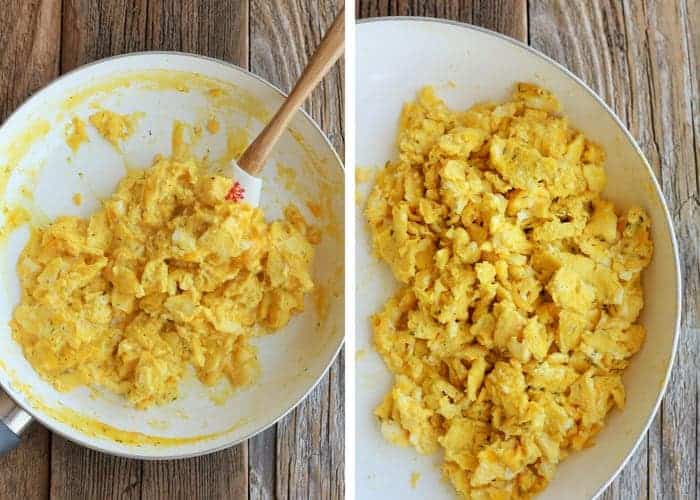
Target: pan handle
13, 420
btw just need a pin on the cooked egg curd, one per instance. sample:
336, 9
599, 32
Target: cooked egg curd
167, 274
521, 290
114, 127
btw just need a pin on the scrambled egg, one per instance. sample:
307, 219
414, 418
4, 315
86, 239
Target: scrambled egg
167, 274
113, 126
212, 126
76, 133
521, 290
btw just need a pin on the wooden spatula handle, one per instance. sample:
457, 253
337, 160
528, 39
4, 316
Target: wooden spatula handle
327, 53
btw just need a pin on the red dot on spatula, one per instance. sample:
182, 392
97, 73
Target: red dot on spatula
236, 193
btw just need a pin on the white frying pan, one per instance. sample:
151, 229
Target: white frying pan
166, 87
467, 64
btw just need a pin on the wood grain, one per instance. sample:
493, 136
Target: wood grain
283, 35
78, 472
336, 429
262, 465
215, 28
26, 469
505, 16
303, 472
509, 17
454, 10
220, 475
30, 41
642, 58
94, 30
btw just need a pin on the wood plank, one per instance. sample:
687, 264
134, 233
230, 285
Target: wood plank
505, 16
77, 472
220, 475
691, 17
309, 443
94, 30
301, 473
262, 465
460, 10
26, 469
215, 28
692, 34
336, 428
30, 32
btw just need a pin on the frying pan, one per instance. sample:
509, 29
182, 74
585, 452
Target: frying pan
466, 65
166, 86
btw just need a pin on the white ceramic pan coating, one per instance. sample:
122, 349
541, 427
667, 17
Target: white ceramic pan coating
395, 58
167, 87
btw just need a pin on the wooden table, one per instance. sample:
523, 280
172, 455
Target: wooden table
300, 457
641, 57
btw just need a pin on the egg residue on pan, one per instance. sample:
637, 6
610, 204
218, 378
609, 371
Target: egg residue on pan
168, 273
114, 127
521, 290
76, 133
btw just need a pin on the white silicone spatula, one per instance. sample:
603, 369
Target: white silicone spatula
247, 185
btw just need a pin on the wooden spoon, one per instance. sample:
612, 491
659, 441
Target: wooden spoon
245, 171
